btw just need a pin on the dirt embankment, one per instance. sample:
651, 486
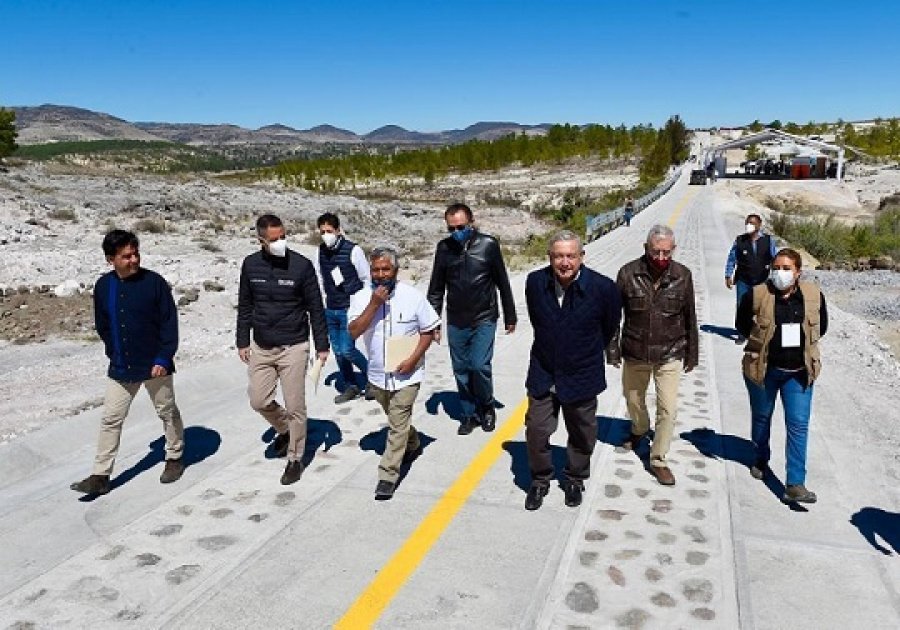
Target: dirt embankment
35, 317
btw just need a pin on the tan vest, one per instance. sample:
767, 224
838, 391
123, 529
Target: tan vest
757, 349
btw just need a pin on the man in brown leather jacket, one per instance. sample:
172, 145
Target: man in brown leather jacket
659, 336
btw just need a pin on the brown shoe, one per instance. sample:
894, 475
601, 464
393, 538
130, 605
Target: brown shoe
95, 484
663, 475
172, 472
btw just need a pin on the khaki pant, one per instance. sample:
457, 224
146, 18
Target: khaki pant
635, 379
115, 408
286, 364
402, 435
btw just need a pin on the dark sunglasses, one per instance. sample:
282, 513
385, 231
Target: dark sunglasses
457, 228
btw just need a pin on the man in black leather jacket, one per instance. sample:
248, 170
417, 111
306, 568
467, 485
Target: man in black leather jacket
468, 265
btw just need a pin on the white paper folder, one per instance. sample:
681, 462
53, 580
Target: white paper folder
315, 372
398, 350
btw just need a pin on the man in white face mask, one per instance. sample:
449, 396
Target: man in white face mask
749, 260
279, 301
344, 271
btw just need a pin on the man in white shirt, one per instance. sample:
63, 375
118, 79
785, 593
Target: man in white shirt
384, 314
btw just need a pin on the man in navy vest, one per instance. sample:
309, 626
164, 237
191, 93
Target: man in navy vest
344, 271
749, 260
575, 312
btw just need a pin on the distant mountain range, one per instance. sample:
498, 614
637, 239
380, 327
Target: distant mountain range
57, 123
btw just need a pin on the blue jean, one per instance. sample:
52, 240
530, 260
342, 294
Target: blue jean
740, 290
471, 352
345, 351
796, 399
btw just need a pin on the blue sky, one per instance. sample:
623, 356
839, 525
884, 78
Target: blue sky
429, 65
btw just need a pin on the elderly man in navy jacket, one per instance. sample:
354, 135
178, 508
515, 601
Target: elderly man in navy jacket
135, 316
574, 312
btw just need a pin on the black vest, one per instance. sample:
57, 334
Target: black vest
753, 267
338, 297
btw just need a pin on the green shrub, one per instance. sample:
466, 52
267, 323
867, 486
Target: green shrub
830, 241
150, 226
63, 214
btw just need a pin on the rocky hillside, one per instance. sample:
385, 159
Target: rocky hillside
54, 123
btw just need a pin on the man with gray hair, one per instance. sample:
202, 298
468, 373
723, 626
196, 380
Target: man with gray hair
574, 312
659, 336
397, 325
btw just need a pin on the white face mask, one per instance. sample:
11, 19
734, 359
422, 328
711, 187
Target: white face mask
329, 238
781, 278
278, 248
749, 228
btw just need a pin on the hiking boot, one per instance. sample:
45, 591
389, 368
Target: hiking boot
759, 470
95, 484
384, 490
663, 475
172, 472
799, 494
292, 472
489, 419
351, 393
535, 497
573, 491
280, 444
467, 426
631, 442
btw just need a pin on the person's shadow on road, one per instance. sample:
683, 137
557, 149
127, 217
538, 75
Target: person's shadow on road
199, 443
722, 331
872, 522
518, 462
738, 450
319, 433
376, 441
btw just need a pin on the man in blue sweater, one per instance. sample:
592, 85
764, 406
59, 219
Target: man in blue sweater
574, 311
135, 316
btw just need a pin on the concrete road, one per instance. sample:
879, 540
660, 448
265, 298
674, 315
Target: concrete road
228, 547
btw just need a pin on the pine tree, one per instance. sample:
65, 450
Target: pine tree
8, 132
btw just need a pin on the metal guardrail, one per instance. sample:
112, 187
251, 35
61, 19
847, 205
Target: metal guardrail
600, 224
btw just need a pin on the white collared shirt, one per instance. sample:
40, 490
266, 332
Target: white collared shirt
560, 291
406, 313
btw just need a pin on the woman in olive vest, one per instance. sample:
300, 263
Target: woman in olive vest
783, 320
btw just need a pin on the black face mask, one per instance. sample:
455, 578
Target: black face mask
387, 284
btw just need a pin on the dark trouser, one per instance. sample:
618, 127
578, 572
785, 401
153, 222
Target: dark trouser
541, 421
471, 352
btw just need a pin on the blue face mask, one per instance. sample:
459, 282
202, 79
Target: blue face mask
462, 235
387, 284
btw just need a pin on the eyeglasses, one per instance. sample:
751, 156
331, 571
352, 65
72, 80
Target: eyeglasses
659, 253
457, 228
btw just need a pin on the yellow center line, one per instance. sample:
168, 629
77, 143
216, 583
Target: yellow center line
370, 604
368, 607
676, 213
